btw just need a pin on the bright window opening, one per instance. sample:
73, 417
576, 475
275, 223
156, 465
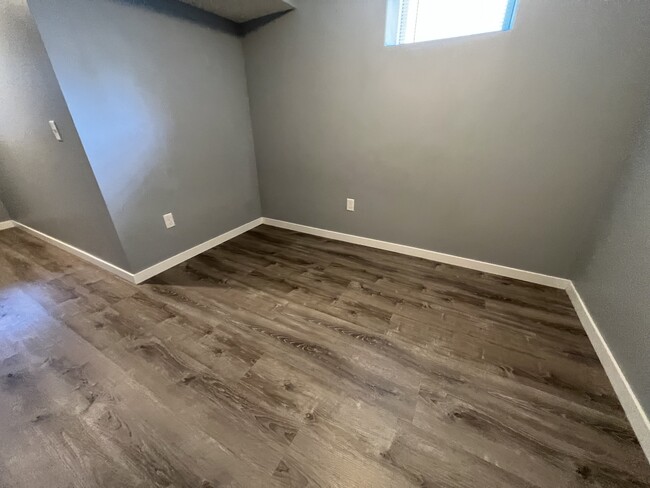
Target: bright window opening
412, 21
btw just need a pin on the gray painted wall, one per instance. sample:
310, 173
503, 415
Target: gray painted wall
4, 215
497, 147
45, 184
157, 91
614, 276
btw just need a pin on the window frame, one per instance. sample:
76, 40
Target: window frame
394, 20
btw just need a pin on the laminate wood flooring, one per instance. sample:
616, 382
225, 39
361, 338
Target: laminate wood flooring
281, 359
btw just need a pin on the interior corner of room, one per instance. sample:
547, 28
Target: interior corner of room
136, 136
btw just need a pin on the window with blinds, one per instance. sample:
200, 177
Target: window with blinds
412, 21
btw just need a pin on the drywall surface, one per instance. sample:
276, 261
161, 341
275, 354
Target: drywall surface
614, 276
496, 147
4, 215
45, 184
157, 90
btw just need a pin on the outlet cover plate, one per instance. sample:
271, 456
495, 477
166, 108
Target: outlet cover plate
169, 220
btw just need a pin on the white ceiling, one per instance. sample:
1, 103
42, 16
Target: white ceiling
241, 10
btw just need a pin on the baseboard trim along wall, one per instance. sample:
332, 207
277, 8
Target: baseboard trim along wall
156, 269
181, 257
111, 268
496, 269
147, 273
7, 224
633, 409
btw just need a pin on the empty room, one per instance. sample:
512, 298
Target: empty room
324, 243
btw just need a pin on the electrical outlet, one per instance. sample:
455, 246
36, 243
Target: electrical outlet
169, 220
350, 205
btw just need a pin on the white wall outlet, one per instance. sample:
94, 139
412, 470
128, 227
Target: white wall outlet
55, 131
350, 205
169, 220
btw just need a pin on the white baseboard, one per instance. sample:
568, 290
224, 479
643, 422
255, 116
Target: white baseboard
7, 224
78, 252
482, 266
150, 272
156, 269
633, 409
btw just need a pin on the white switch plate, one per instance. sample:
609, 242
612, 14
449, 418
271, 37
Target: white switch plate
350, 205
169, 220
55, 131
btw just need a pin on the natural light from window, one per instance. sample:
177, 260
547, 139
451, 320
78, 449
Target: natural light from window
428, 20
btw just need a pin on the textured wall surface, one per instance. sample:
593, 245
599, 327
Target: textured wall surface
497, 147
45, 184
4, 215
157, 91
614, 273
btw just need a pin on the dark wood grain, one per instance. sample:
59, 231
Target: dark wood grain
282, 359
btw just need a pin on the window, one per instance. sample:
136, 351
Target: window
412, 21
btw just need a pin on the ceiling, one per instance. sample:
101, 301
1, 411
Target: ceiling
241, 10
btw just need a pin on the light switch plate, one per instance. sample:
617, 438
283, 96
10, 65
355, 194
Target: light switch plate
350, 205
55, 131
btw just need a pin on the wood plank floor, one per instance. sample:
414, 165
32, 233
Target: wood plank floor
281, 359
